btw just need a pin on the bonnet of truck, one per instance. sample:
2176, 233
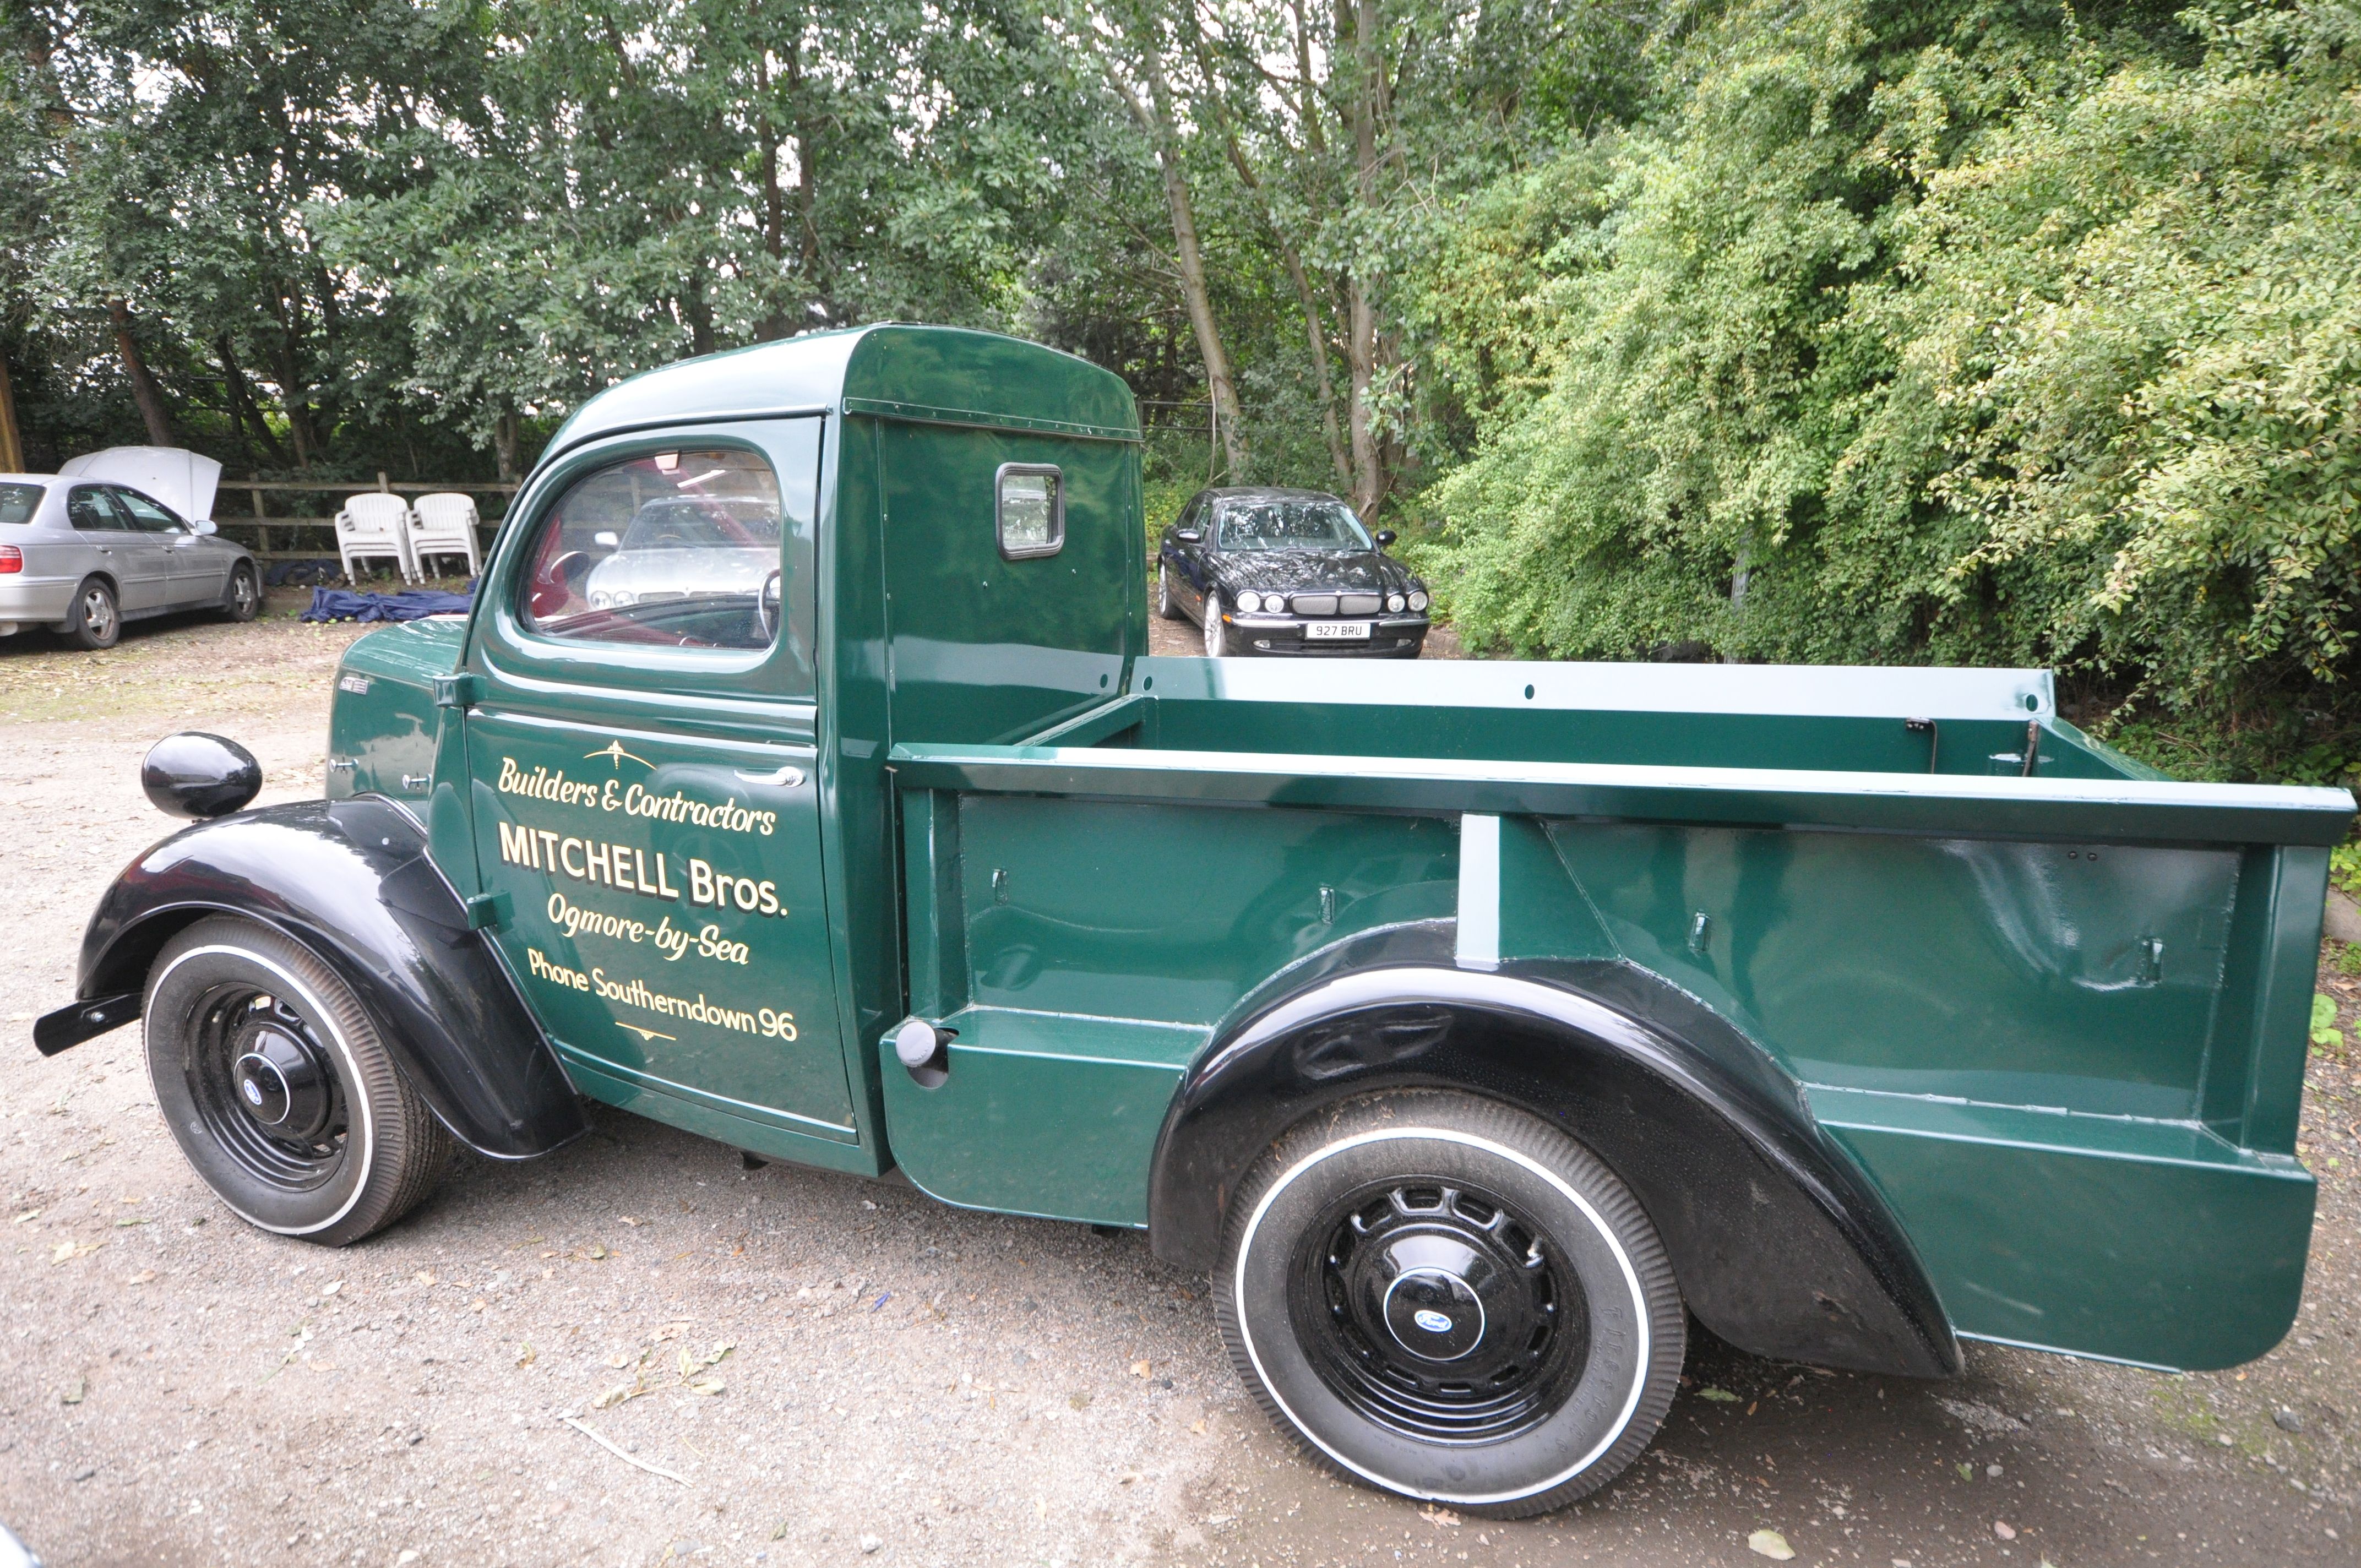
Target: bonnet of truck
381, 726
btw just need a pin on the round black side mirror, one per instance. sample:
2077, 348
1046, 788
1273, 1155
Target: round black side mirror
199, 775
1386, 536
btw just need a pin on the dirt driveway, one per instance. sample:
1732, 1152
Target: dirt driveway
831, 1371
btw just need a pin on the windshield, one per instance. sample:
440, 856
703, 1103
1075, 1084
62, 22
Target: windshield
19, 502
1323, 524
706, 522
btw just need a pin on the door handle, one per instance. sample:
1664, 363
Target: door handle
788, 777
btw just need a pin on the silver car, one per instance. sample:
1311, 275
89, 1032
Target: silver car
82, 556
688, 547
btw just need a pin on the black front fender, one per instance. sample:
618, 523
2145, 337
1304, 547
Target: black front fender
1780, 1245
351, 881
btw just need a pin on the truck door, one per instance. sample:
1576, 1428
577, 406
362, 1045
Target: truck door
643, 808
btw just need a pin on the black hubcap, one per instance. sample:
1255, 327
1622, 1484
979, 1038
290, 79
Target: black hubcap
266, 1087
1439, 1312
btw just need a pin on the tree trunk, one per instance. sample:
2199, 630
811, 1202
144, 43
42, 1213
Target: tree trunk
1363, 345
1155, 118
774, 323
505, 441
1219, 381
12, 440
144, 390
699, 312
244, 408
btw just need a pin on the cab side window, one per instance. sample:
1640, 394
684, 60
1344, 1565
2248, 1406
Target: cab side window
92, 510
675, 549
146, 516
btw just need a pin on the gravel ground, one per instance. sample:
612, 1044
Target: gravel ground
895, 1381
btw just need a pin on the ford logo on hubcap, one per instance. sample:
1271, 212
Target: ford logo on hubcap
1432, 1322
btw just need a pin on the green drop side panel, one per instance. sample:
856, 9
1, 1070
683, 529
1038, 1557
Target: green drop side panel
1040, 1114
2142, 1241
1084, 950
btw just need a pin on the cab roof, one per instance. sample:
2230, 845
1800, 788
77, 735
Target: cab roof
933, 374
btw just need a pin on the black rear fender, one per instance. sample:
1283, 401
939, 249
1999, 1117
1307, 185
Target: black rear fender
351, 881
1780, 1245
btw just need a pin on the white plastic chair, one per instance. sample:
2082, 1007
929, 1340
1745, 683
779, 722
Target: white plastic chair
444, 524
373, 527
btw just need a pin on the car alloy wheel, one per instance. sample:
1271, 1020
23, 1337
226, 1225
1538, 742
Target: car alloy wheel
1165, 606
1447, 1298
1216, 640
96, 622
245, 598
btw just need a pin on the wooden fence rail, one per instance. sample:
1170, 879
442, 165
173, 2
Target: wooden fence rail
304, 538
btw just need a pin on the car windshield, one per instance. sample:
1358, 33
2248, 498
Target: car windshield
1323, 524
20, 502
704, 523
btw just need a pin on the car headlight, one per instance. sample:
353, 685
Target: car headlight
1396, 603
1418, 599
623, 596
1275, 603
1250, 602
599, 598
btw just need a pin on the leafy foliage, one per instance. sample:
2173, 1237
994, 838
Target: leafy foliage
1970, 334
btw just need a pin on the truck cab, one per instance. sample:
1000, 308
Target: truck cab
801, 779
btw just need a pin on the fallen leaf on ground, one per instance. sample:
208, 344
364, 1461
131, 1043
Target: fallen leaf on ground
74, 1392
1770, 1543
1718, 1396
65, 1252
526, 1355
421, 1277
145, 1277
1139, 1369
1438, 1516
613, 1397
706, 1386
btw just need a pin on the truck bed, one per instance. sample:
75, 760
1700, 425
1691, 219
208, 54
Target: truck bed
2058, 1016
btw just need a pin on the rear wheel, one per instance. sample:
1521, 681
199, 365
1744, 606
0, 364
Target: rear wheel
244, 602
95, 621
1449, 1300
278, 1089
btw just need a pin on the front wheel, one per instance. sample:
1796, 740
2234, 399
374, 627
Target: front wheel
1449, 1300
244, 602
278, 1089
1217, 635
1165, 606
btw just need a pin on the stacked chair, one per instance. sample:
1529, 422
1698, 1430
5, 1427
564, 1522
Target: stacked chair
375, 527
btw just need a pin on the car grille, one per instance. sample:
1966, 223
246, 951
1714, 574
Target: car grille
1314, 603
1359, 604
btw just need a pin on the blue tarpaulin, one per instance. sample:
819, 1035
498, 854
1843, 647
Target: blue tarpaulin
340, 604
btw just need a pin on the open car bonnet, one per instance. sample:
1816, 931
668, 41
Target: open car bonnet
182, 479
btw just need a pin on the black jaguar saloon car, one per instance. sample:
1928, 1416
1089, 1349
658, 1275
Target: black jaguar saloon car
1288, 572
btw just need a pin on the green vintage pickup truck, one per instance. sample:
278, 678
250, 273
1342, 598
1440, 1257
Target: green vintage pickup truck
801, 779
